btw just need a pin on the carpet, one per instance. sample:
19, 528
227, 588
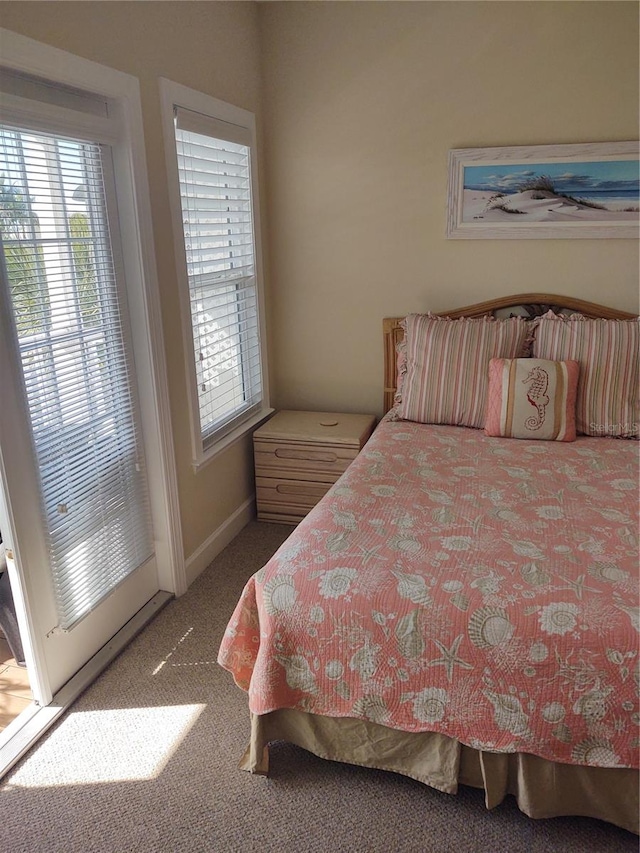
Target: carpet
146, 760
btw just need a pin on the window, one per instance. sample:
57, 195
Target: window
213, 161
69, 320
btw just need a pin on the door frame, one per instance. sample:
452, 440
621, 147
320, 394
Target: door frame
26, 55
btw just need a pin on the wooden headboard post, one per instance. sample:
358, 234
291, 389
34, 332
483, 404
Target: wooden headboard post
393, 332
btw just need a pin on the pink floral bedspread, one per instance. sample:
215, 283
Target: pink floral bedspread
480, 587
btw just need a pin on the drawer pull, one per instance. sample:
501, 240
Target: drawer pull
310, 455
302, 488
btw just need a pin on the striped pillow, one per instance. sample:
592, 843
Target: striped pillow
532, 398
448, 362
608, 352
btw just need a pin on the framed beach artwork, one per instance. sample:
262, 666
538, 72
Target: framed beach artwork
546, 191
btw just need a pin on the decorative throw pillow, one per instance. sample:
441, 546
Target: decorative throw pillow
608, 352
447, 366
532, 398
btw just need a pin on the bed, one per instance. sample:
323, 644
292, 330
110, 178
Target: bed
462, 608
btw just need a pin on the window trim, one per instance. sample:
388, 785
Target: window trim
176, 95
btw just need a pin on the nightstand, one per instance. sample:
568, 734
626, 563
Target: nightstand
299, 455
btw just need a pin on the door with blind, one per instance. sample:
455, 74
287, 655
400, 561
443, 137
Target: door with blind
72, 448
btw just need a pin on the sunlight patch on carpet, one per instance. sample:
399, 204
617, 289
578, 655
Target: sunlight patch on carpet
119, 745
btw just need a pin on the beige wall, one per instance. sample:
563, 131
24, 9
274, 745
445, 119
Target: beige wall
362, 102
211, 47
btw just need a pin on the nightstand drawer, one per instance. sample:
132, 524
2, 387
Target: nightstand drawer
281, 513
300, 461
292, 493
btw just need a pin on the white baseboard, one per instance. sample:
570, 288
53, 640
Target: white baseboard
197, 562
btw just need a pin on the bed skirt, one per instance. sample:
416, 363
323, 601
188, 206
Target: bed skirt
542, 788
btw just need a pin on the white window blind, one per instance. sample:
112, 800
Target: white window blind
214, 170
78, 376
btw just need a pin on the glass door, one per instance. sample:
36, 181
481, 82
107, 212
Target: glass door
71, 445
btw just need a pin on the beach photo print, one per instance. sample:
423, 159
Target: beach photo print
545, 191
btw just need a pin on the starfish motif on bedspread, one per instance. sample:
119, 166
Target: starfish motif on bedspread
577, 586
369, 554
450, 657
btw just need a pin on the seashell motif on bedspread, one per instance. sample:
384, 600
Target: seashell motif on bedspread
559, 617
508, 713
336, 582
593, 704
371, 708
484, 588
279, 594
409, 636
298, 673
412, 587
632, 611
596, 752
489, 627
534, 575
365, 660
430, 705
608, 571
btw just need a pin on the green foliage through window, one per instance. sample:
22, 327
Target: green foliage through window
25, 263
85, 269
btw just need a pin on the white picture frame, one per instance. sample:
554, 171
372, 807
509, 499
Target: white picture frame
588, 190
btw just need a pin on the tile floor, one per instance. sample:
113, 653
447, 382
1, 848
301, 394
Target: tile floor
15, 693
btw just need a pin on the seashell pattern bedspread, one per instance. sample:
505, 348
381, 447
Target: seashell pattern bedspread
483, 588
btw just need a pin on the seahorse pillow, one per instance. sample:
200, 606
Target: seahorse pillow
532, 398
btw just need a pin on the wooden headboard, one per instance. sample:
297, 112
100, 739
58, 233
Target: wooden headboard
534, 303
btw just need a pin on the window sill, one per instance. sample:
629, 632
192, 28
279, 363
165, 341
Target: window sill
231, 438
